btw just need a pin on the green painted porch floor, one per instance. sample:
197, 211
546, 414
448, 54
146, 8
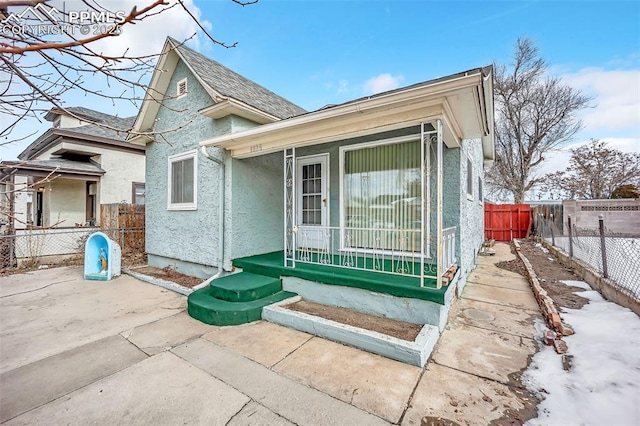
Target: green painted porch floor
235, 299
272, 265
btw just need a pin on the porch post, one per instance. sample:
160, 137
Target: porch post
422, 207
289, 207
439, 207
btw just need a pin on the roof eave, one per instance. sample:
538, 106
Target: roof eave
228, 106
55, 135
431, 98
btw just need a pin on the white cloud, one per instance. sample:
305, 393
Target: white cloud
146, 37
382, 83
616, 96
343, 86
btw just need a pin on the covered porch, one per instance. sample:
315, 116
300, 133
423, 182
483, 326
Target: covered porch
53, 193
364, 182
372, 204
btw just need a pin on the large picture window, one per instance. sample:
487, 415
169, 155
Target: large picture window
183, 172
383, 191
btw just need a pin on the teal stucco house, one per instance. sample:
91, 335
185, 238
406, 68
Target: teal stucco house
379, 197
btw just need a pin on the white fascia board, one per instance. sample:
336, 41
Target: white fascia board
230, 106
488, 142
156, 90
337, 130
385, 101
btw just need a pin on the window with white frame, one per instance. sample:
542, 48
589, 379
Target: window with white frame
469, 179
382, 195
181, 88
182, 187
137, 193
479, 188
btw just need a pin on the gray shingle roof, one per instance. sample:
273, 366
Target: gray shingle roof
61, 164
228, 83
122, 124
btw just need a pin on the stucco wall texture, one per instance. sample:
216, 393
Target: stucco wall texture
471, 229
253, 208
253, 191
190, 236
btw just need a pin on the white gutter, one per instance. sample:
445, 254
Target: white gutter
221, 194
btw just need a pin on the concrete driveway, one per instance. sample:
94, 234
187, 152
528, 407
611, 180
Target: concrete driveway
126, 352
89, 352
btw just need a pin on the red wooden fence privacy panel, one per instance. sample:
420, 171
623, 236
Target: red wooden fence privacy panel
504, 222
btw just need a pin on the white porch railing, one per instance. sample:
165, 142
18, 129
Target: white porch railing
391, 251
449, 247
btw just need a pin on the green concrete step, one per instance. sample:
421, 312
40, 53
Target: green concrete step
202, 306
244, 287
272, 264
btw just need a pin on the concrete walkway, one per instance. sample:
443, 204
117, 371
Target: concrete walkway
126, 352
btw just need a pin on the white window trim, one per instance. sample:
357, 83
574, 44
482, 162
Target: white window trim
466, 183
355, 147
186, 88
179, 157
480, 186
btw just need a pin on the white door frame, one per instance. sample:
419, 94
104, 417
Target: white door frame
313, 236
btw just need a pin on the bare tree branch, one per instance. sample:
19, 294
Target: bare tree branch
33, 86
534, 114
595, 171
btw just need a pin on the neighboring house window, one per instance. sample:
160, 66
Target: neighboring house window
479, 188
137, 196
183, 170
181, 89
469, 179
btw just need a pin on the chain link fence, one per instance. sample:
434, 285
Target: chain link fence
30, 248
613, 255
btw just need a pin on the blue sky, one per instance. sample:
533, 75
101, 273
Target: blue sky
320, 52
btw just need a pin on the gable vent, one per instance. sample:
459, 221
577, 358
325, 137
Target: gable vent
181, 89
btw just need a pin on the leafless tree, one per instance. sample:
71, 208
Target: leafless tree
595, 172
38, 70
534, 114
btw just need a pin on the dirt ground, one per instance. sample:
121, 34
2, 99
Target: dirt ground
550, 272
400, 329
169, 275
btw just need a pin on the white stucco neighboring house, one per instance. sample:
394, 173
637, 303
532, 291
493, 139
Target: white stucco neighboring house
81, 162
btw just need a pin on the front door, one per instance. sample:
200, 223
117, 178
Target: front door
312, 211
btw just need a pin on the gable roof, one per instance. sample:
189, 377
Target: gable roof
95, 133
231, 84
230, 92
80, 112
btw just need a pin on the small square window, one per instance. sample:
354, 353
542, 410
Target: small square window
182, 185
181, 88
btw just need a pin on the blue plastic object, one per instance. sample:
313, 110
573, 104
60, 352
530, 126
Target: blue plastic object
102, 258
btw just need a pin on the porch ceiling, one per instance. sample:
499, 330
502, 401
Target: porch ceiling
460, 103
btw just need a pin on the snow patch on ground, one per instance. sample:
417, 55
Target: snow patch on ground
579, 284
544, 250
603, 385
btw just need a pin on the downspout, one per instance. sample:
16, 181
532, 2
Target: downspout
221, 194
